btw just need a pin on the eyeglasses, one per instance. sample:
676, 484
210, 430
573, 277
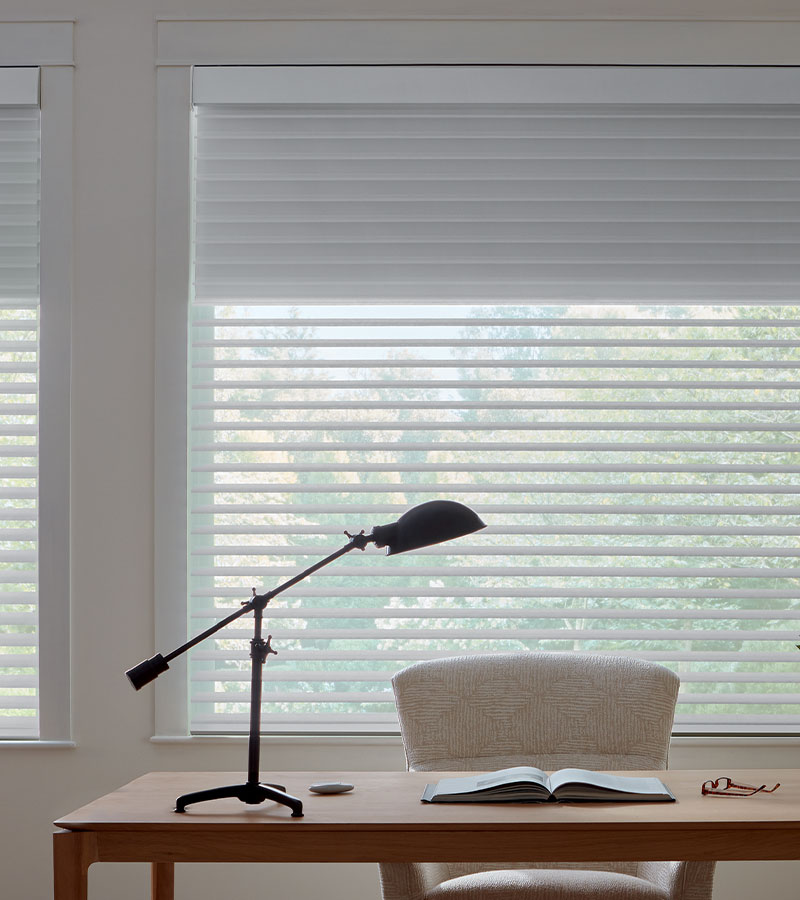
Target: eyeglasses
726, 787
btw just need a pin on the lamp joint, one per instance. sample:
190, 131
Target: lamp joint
260, 649
258, 601
359, 541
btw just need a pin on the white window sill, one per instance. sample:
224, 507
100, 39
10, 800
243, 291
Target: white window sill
37, 745
735, 740
361, 740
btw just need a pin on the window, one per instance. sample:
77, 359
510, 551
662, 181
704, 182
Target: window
35, 221
566, 297
19, 326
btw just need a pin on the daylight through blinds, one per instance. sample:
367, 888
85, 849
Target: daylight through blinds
580, 320
19, 312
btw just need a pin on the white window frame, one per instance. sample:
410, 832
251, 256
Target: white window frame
181, 44
49, 46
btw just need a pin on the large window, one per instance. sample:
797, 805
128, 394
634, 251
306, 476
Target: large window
35, 294
19, 368
567, 298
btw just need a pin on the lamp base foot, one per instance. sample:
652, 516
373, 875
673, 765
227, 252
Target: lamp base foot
251, 792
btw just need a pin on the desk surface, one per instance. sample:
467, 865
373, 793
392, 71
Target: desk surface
384, 820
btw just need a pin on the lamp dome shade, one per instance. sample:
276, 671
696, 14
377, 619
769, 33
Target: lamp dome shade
426, 524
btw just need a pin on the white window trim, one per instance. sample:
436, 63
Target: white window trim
42, 43
521, 39
173, 247
49, 45
54, 404
183, 43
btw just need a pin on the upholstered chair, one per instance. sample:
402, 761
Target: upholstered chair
549, 710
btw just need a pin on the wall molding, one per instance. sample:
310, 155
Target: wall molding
37, 43
467, 17
474, 41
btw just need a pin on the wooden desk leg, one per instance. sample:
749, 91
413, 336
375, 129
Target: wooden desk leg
73, 853
162, 881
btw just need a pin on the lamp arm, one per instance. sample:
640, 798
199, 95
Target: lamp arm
245, 608
357, 541
149, 669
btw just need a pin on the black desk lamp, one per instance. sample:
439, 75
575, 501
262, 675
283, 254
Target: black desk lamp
423, 525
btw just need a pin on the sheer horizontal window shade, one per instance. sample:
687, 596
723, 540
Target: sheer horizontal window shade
19, 302
579, 319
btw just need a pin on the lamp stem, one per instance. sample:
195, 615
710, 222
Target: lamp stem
259, 648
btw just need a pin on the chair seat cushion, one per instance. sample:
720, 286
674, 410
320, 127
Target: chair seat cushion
552, 884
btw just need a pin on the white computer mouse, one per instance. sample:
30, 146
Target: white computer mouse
330, 787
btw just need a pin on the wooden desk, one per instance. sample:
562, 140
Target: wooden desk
383, 820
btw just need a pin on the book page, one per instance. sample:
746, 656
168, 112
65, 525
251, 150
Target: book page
622, 783
514, 775
486, 782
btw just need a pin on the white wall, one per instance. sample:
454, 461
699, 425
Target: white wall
112, 443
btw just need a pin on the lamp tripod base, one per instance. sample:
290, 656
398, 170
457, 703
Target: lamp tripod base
251, 792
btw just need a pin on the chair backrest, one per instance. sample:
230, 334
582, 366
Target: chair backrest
550, 710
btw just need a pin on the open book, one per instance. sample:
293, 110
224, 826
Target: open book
527, 783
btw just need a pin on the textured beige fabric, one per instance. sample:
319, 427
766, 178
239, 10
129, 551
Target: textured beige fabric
548, 710
549, 884
680, 880
545, 709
